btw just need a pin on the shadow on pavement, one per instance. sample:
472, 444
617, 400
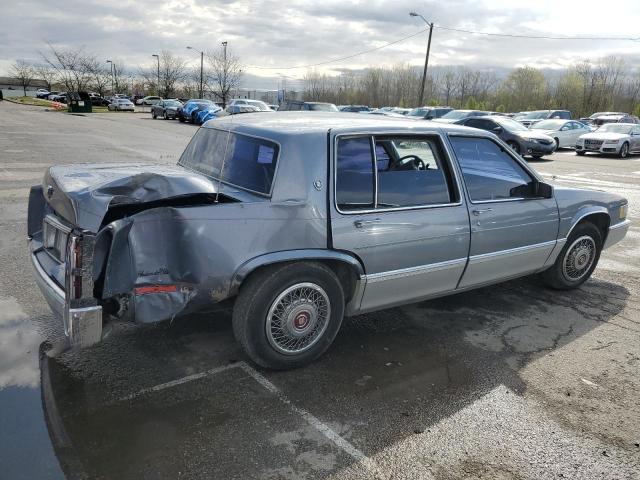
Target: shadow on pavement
388, 376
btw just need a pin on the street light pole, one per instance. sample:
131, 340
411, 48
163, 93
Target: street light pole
111, 74
426, 59
201, 71
158, 84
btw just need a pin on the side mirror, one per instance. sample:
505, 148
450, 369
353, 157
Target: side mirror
543, 190
497, 130
429, 117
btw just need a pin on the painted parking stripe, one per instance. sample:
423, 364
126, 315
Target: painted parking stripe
312, 420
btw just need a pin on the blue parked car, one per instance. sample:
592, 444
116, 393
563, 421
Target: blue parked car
189, 111
212, 111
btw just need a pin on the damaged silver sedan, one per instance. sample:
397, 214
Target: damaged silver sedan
298, 220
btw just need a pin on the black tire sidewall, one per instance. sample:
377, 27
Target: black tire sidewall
259, 293
622, 149
555, 276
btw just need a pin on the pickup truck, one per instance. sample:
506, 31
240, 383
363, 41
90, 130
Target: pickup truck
296, 220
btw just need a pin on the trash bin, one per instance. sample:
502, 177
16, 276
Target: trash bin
78, 102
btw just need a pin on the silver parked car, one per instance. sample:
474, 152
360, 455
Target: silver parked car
565, 133
121, 105
298, 220
614, 138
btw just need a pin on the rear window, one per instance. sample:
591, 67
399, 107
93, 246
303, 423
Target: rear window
236, 159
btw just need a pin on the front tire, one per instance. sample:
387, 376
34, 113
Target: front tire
624, 150
153, 114
580, 152
514, 146
288, 315
577, 260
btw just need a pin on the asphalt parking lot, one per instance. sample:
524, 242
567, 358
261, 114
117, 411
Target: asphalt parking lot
512, 381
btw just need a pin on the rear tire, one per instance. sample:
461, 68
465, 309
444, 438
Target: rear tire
288, 315
577, 260
153, 114
580, 152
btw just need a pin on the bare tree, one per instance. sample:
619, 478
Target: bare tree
23, 72
44, 72
100, 75
71, 67
226, 73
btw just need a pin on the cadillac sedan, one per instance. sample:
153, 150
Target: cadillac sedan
619, 139
297, 220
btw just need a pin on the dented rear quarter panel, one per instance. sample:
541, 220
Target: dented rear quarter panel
200, 248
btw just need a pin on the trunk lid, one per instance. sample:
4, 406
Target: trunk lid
82, 194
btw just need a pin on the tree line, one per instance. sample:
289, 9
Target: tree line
75, 69
606, 84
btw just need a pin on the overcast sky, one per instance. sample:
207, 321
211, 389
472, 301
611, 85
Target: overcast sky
282, 33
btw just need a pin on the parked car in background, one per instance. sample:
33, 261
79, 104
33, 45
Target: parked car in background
149, 100
135, 98
52, 94
386, 113
236, 109
564, 132
619, 139
429, 113
188, 112
167, 109
274, 107
295, 105
258, 104
61, 97
522, 140
355, 108
614, 118
536, 116
98, 101
42, 93
121, 105
589, 120
210, 112
401, 111
455, 115
300, 220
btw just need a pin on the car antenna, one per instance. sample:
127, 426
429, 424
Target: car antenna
224, 158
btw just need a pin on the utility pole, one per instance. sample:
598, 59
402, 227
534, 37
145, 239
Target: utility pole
158, 84
426, 59
111, 74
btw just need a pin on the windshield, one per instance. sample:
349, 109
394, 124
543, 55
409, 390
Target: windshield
457, 114
536, 115
510, 125
322, 107
615, 128
249, 163
549, 125
172, 103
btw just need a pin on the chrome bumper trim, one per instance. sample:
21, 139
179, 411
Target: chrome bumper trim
617, 233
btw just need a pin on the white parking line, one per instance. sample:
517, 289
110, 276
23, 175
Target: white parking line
313, 421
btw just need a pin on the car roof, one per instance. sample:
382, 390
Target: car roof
297, 123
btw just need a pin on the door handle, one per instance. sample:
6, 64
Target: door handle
364, 223
480, 211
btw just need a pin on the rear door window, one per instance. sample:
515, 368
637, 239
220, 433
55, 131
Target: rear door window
354, 174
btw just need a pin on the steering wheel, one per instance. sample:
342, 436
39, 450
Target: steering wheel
410, 162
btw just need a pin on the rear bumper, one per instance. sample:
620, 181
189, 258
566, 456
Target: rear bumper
616, 233
83, 326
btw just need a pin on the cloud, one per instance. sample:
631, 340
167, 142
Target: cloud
300, 32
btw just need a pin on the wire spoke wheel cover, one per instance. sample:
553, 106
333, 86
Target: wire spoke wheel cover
579, 258
298, 318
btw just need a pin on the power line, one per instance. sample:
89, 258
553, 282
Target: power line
341, 58
542, 37
460, 30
